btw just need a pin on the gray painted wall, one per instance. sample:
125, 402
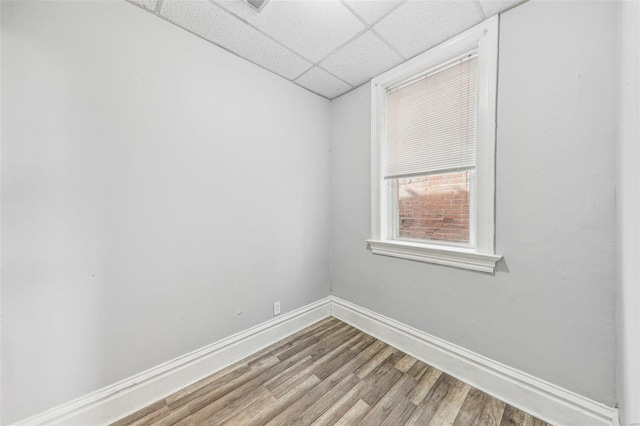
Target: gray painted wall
628, 216
142, 211
549, 309
152, 187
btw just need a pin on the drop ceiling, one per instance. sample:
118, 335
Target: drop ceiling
326, 46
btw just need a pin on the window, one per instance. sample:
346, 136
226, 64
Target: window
433, 154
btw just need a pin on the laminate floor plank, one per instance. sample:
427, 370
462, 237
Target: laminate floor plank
167, 419
382, 380
328, 362
292, 413
405, 363
383, 408
327, 368
261, 414
400, 414
319, 348
213, 391
531, 420
492, 413
306, 342
418, 370
426, 382
280, 384
329, 374
450, 406
205, 386
354, 415
353, 364
343, 370
336, 341
235, 390
343, 405
512, 416
306, 334
375, 361
153, 418
314, 331
149, 410
471, 408
364, 343
222, 409
434, 398
329, 399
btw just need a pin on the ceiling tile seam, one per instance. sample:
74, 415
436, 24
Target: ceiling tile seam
293, 51
443, 41
510, 6
337, 49
138, 5
158, 7
266, 35
387, 13
157, 13
367, 27
342, 46
389, 45
303, 73
350, 90
354, 13
370, 26
309, 90
316, 64
335, 76
479, 7
402, 56
231, 51
328, 72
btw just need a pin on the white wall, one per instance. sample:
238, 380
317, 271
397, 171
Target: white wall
549, 308
628, 216
152, 186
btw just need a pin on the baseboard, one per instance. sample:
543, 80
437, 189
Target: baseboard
538, 397
120, 399
544, 400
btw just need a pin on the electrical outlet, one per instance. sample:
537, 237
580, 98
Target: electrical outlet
276, 308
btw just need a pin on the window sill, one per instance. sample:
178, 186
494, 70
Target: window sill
441, 255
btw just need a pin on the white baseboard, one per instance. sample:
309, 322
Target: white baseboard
544, 400
127, 396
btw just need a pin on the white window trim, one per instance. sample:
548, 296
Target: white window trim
483, 38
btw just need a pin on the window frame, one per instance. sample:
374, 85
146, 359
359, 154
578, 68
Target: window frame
482, 38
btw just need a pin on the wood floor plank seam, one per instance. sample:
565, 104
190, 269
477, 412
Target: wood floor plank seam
330, 373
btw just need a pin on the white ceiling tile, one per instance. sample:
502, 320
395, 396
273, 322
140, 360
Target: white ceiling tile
364, 58
311, 28
419, 25
147, 4
319, 81
493, 7
220, 27
239, 9
372, 10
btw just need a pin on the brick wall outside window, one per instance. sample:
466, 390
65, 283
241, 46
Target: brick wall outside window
434, 207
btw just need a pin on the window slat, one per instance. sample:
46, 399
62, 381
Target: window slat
431, 122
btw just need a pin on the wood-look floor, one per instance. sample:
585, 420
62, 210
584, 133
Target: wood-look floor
330, 374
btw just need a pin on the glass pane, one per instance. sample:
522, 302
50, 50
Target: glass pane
434, 207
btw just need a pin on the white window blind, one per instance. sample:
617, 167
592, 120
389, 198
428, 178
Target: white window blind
431, 121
